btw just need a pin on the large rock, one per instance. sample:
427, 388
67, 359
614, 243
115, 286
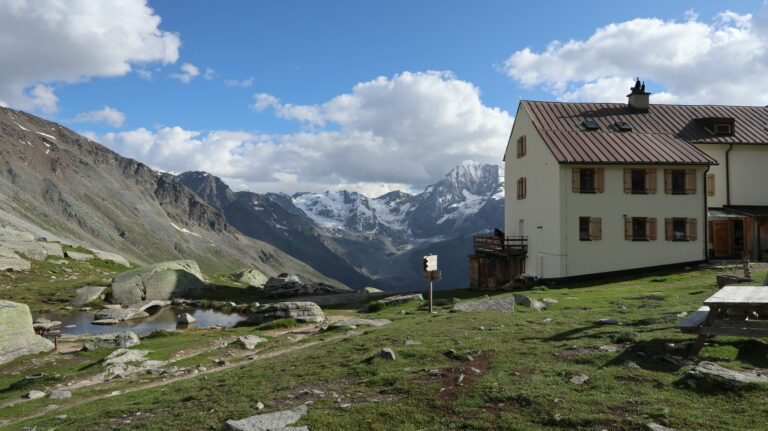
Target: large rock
111, 340
52, 248
9, 260
504, 305
527, 301
291, 285
714, 375
80, 257
120, 314
270, 421
362, 322
166, 280
249, 341
300, 311
399, 299
112, 257
17, 338
185, 319
87, 294
251, 277
23, 243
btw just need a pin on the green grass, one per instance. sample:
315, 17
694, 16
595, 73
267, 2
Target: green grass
526, 364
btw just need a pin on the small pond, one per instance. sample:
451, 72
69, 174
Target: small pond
165, 318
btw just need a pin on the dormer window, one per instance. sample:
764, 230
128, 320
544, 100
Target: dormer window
723, 129
589, 125
622, 126
718, 126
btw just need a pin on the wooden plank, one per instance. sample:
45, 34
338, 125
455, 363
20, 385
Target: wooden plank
734, 295
734, 332
695, 320
747, 324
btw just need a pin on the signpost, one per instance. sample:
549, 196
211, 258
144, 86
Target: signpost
431, 273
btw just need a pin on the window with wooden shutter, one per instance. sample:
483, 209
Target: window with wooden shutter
710, 184
691, 228
668, 226
521, 146
521, 188
576, 180
599, 180
690, 181
627, 180
651, 228
595, 228
650, 181
628, 228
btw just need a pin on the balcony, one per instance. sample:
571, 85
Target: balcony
506, 246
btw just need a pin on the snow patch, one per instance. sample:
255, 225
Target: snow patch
46, 135
181, 229
21, 127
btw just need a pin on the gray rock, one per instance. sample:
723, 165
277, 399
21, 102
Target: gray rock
505, 305
399, 299
35, 394
445, 301
250, 341
549, 301
87, 294
412, 342
44, 324
362, 322
251, 277
9, 260
579, 379
716, 375
17, 337
185, 319
166, 280
656, 427
111, 340
52, 248
105, 322
527, 301
276, 421
370, 290
80, 257
23, 243
120, 314
631, 365
300, 311
59, 395
387, 354
607, 322
112, 257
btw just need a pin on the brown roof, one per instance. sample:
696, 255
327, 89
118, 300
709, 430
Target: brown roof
663, 135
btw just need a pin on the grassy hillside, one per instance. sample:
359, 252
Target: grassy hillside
524, 365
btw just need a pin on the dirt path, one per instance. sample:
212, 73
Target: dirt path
300, 333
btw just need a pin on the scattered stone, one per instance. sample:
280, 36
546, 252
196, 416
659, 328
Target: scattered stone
579, 379
250, 341
270, 421
631, 365
120, 314
163, 281
607, 322
112, 257
111, 340
35, 394
460, 379
185, 319
361, 322
549, 301
370, 290
87, 294
475, 370
608, 349
656, 427
17, 337
529, 302
714, 375
52, 407
259, 406
300, 311
548, 319
452, 354
505, 305
115, 306
58, 395
400, 299
80, 257
412, 342
387, 354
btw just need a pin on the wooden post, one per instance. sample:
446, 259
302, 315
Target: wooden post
430, 295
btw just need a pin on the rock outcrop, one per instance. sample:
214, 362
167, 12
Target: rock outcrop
120, 314
166, 280
251, 277
504, 305
709, 374
87, 294
80, 257
300, 311
9, 260
22, 242
291, 285
17, 338
400, 299
111, 340
269, 421
112, 257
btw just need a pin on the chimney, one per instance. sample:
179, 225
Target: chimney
638, 98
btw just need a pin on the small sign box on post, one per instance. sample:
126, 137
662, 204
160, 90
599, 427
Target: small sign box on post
431, 273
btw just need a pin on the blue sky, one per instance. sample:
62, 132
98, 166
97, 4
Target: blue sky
364, 95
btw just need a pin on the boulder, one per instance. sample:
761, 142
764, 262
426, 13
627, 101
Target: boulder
250, 341
35, 394
370, 290
9, 260
120, 314
300, 311
80, 257
185, 319
111, 340
270, 421
362, 322
60, 395
505, 305
251, 277
112, 257
22, 243
17, 337
549, 301
291, 285
52, 248
105, 322
166, 280
387, 354
87, 294
44, 324
715, 375
399, 299
527, 301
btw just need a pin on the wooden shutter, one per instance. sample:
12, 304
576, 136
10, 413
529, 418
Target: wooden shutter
668, 181
650, 227
668, 229
525, 145
521, 146
628, 228
690, 181
599, 180
691, 228
525, 187
650, 181
627, 180
595, 228
710, 184
576, 180
519, 188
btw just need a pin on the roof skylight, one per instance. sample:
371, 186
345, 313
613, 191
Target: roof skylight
589, 125
622, 126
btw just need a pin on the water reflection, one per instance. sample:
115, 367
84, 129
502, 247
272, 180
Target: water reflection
165, 318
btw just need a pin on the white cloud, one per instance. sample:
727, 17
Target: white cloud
107, 115
724, 61
49, 41
245, 83
209, 74
188, 72
392, 133
144, 74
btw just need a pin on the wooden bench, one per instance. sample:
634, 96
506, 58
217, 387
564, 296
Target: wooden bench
692, 323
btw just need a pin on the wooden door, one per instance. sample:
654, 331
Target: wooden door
721, 238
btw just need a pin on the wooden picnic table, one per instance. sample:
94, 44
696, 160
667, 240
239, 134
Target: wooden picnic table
740, 311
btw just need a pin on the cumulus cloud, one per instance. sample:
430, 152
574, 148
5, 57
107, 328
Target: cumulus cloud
188, 72
107, 115
50, 41
209, 74
686, 58
244, 83
400, 132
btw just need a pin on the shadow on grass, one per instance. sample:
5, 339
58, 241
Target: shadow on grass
650, 355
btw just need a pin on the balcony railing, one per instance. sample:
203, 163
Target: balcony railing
508, 245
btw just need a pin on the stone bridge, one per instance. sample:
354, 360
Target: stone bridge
150, 303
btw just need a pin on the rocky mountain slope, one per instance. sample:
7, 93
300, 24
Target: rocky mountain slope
362, 240
64, 187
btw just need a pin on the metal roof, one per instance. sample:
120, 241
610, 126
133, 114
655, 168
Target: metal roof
662, 135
